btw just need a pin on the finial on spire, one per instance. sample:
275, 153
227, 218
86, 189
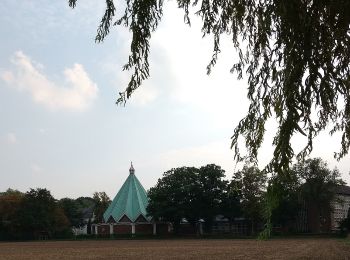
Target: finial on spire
132, 170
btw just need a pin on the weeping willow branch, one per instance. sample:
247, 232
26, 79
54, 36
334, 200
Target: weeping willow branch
295, 54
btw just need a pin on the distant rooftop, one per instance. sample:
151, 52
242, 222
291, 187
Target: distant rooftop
342, 189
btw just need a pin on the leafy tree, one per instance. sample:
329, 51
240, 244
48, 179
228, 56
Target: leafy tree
85, 202
72, 210
39, 213
190, 193
231, 202
281, 202
318, 185
296, 55
173, 197
308, 183
78, 211
286, 189
11, 192
251, 182
210, 196
102, 202
60, 223
10, 202
86, 205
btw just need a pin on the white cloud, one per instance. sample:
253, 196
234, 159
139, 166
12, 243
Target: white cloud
42, 130
35, 168
76, 93
11, 138
185, 55
144, 95
7, 76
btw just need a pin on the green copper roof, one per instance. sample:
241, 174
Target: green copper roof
131, 200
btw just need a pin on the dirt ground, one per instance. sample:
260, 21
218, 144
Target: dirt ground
179, 249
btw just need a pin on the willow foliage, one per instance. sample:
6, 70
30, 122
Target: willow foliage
295, 53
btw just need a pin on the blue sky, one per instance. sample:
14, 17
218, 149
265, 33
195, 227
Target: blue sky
60, 128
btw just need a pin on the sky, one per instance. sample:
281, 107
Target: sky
61, 129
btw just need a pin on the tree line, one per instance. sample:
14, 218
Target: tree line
186, 193
36, 214
260, 198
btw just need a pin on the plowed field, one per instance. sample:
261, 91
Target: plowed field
179, 249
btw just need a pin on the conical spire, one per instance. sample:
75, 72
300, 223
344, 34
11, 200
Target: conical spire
131, 201
132, 170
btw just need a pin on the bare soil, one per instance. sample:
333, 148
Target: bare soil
179, 249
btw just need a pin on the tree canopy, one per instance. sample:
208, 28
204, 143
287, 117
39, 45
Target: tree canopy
71, 210
102, 202
251, 184
188, 192
295, 54
39, 213
174, 196
309, 186
318, 184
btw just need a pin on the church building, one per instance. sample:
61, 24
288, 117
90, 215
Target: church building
127, 212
